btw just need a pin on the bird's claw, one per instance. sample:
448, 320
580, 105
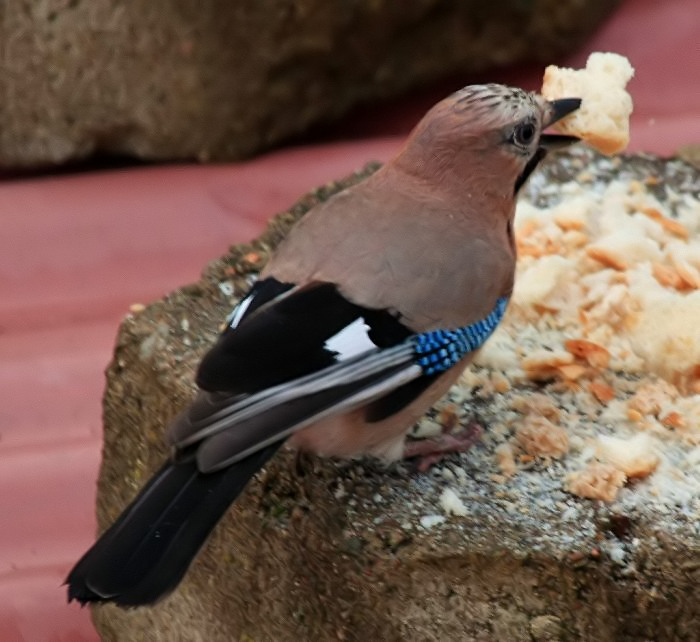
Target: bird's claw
430, 451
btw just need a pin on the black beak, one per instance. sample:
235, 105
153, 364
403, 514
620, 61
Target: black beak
558, 109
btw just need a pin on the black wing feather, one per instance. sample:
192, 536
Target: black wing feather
283, 337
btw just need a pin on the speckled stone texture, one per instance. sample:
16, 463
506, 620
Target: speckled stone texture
214, 80
336, 550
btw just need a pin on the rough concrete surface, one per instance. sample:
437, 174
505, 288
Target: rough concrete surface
157, 79
330, 550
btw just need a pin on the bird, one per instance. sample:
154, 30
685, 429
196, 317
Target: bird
364, 316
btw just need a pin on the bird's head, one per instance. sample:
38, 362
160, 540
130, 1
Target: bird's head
490, 133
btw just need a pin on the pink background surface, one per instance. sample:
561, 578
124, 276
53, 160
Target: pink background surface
78, 249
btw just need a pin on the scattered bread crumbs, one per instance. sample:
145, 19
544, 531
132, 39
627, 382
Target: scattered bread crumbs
597, 363
596, 481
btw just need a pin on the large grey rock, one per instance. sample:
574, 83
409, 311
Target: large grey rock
163, 79
340, 550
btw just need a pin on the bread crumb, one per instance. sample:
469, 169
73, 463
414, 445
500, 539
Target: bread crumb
539, 437
448, 418
536, 403
664, 330
252, 258
595, 355
673, 226
429, 521
542, 364
452, 504
688, 274
667, 276
652, 396
570, 219
426, 429
608, 257
601, 391
505, 458
674, 420
500, 383
635, 457
540, 279
596, 481
573, 371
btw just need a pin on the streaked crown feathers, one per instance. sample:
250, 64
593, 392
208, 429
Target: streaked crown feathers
493, 101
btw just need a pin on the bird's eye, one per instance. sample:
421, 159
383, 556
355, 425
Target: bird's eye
524, 134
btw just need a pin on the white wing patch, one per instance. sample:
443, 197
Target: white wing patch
351, 340
237, 313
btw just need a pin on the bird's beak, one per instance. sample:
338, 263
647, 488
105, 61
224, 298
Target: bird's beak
560, 108
557, 110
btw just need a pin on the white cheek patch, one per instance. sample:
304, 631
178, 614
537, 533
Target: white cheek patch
351, 340
237, 314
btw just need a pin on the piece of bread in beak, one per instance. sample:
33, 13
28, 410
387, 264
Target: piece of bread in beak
602, 121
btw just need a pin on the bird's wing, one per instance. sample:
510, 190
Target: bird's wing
289, 356
288, 331
303, 354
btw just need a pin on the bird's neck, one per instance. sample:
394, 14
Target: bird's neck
471, 189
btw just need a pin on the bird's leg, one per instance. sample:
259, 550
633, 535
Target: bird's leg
430, 451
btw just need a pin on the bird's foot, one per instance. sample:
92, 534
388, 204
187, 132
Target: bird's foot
430, 451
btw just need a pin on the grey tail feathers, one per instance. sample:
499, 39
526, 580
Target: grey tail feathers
143, 556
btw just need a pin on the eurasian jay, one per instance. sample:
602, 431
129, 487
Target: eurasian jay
364, 317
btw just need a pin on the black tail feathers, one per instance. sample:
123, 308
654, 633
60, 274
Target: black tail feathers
143, 556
